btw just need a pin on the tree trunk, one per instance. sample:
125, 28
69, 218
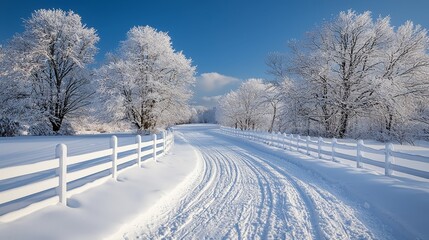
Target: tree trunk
56, 124
389, 121
273, 119
344, 118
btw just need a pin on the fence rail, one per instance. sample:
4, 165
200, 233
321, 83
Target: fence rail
129, 154
311, 145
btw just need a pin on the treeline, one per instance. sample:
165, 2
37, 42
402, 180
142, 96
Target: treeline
353, 76
47, 85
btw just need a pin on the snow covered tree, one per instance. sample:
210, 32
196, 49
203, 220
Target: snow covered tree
277, 64
201, 114
47, 67
402, 77
147, 82
246, 108
356, 76
273, 96
338, 62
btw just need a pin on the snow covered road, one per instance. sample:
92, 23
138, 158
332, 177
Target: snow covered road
247, 193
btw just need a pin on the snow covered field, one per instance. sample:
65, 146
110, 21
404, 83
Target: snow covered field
31, 149
232, 188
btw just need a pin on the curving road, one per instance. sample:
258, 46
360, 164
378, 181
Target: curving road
243, 192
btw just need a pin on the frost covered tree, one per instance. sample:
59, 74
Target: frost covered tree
47, 66
277, 64
404, 85
273, 96
147, 82
201, 114
246, 108
355, 76
354, 70
337, 62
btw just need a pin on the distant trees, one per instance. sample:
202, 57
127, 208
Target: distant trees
147, 82
46, 79
246, 108
201, 114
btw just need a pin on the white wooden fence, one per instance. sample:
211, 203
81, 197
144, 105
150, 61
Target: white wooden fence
154, 149
356, 152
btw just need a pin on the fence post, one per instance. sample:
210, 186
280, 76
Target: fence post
359, 154
168, 137
319, 147
154, 147
284, 140
279, 139
139, 150
274, 138
307, 145
334, 142
297, 142
114, 146
263, 137
389, 159
163, 142
287, 141
61, 153
268, 138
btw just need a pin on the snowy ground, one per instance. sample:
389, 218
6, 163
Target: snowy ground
31, 149
249, 190
234, 188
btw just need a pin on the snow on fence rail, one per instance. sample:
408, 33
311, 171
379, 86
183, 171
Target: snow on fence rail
355, 152
63, 177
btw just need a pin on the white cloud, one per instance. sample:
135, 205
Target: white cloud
214, 81
209, 101
211, 98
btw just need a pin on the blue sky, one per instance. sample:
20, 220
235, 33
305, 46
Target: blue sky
227, 40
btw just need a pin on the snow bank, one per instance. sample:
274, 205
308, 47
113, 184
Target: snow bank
104, 210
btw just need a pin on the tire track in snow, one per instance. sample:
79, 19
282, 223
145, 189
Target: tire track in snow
331, 217
292, 199
244, 193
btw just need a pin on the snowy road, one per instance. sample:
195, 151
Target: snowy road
246, 193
